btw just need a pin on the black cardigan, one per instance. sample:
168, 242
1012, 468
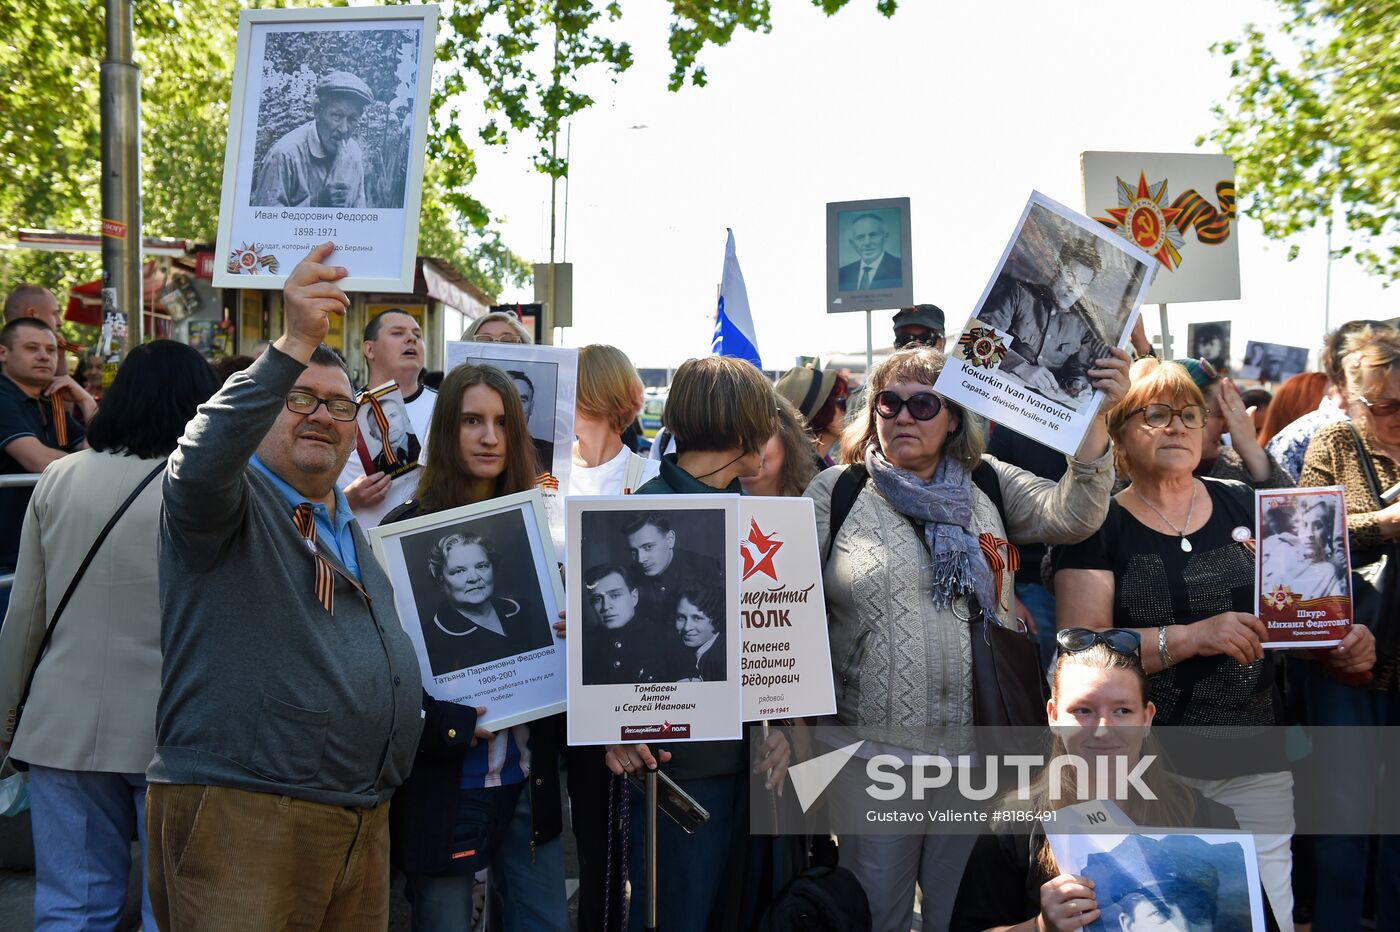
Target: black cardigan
420, 819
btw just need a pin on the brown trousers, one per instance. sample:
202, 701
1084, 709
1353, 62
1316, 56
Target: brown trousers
226, 860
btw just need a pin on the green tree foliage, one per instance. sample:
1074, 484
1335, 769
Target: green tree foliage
520, 58
523, 58
1326, 127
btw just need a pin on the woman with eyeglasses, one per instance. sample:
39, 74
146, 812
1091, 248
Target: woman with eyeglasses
1174, 560
1099, 711
902, 572
497, 327
475, 798
1227, 413
1338, 455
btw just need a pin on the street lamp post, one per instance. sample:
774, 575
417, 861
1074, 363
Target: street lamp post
121, 172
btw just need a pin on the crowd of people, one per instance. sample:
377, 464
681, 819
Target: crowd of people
223, 674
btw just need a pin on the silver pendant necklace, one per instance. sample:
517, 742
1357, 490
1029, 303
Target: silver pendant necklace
1180, 531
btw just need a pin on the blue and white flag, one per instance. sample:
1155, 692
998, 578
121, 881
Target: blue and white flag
734, 333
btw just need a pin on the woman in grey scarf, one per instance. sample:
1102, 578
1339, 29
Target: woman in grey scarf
920, 542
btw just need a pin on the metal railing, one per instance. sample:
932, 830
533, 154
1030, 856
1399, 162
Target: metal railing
15, 481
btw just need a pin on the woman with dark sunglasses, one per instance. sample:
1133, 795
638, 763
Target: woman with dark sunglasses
1174, 560
903, 571
1098, 708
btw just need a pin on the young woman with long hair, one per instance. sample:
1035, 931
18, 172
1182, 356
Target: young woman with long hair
1098, 707
477, 799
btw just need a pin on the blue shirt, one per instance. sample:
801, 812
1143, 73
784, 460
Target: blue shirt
339, 540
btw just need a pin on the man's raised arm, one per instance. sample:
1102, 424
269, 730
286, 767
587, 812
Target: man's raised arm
204, 487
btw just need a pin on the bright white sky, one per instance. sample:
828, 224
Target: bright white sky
963, 107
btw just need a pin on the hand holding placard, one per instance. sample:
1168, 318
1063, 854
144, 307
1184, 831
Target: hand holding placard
310, 296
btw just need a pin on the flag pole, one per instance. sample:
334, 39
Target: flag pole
1166, 333
869, 348
650, 843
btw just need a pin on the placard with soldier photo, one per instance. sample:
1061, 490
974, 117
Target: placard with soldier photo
1303, 592
868, 255
1273, 363
654, 625
477, 589
327, 133
1161, 879
1210, 341
1064, 291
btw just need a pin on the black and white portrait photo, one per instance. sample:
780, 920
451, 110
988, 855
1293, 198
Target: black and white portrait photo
327, 135
387, 441
1272, 362
868, 254
870, 250
655, 629
1171, 881
1063, 295
1211, 342
537, 384
475, 621
1175, 882
1303, 544
655, 597
335, 118
477, 590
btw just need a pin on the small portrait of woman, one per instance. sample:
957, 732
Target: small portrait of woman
700, 628
473, 624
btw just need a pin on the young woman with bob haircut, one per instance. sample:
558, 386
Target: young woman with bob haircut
477, 799
720, 411
609, 396
902, 573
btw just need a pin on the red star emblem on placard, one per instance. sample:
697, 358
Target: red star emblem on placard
665, 726
1143, 217
758, 551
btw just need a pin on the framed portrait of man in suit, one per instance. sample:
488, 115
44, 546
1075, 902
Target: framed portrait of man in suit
867, 255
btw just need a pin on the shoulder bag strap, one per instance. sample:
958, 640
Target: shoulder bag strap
843, 498
1367, 466
73, 586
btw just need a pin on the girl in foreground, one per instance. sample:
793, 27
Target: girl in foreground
1098, 707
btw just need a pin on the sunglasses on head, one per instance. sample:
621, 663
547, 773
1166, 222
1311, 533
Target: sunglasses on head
1118, 640
924, 406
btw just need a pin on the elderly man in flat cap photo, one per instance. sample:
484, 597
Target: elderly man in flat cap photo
320, 163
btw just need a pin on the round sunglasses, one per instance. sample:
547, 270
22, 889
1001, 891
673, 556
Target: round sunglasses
924, 406
1118, 640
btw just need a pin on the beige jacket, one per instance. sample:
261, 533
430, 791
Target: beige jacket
898, 661
93, 705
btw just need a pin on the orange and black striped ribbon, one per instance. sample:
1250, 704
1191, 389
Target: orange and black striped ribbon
60, 422
325, 574
991, 549
1212, 226
382, 422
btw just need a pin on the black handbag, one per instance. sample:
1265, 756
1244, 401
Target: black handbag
1008, 684
1373, 576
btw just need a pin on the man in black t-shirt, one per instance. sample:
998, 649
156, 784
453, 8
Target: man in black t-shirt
35, 430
